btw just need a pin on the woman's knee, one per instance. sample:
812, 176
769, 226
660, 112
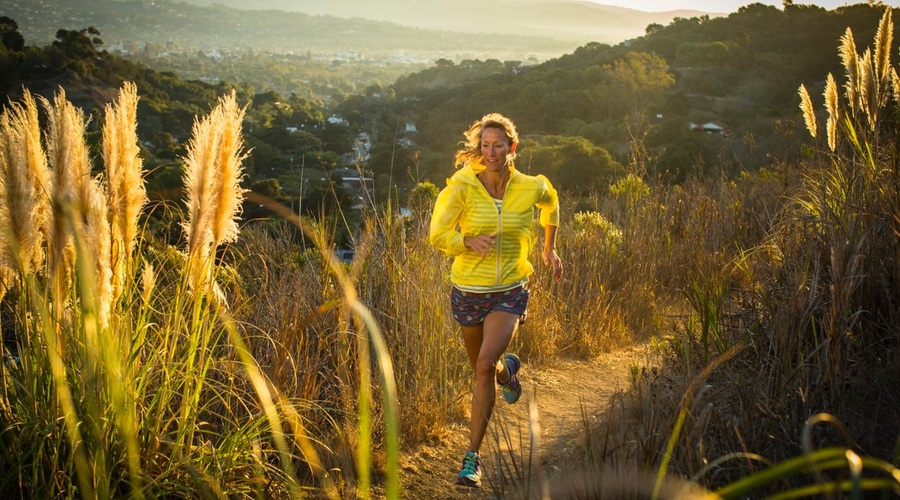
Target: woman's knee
486, 367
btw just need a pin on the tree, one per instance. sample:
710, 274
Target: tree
10, 36
639, 79
682, 153
327, 199
571, 163
165, 146
702, 54
80, 44
11, 45
653, 28
267, 187
76, 51
391, 159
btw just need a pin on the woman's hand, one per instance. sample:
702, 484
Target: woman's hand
552, 259
482, 245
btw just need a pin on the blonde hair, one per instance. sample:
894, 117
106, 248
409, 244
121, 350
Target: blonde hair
471, 151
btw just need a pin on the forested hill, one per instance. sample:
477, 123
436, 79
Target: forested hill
576, 21
181, 26
739, 72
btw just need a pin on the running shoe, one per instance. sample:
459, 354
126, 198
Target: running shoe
470, 475
512, 389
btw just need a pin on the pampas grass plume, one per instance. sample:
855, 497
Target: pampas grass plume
868, 93
809, 114
95, 230
895, 84
832, 102
124, 173
24, 180
68, 160
213, 172
884, 39
847, 52
79, 205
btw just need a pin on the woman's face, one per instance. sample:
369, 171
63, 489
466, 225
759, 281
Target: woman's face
494, 147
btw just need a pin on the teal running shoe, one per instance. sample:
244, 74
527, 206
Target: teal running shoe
512, 389
470, 475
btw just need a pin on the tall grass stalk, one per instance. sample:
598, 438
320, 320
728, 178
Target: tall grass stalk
24, 180
212, 179
126, 199
80, 222
682, 416
213, 155
70, 164
358, 347
63, 396
404, 282
818, 461
368, 331
124, 175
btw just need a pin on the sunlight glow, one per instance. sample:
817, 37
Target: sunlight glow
719, 6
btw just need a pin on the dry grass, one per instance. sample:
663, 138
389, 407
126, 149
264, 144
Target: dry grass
151, 396
807, 293
772, 297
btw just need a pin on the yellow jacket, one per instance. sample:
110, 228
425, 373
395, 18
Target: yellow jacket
464, 208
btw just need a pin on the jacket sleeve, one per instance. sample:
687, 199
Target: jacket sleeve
548, 202
443, 233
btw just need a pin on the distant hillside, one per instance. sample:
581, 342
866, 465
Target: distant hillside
569, 20
740, 72
183, 26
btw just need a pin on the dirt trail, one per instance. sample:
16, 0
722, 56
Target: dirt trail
563, 395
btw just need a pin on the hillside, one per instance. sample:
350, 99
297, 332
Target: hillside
180, 26
741, 72
568, 20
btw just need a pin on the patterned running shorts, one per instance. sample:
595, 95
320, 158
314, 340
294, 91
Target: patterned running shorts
470, 308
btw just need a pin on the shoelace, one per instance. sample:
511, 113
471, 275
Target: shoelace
470, 464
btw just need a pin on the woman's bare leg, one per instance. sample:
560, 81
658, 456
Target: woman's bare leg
485, 343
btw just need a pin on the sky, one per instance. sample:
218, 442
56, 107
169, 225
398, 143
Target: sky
724, 6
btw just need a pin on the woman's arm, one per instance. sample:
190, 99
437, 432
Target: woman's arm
443, 233
549, 253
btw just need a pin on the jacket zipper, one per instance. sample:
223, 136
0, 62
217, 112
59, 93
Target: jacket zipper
499, 225
500, 229
499, 239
